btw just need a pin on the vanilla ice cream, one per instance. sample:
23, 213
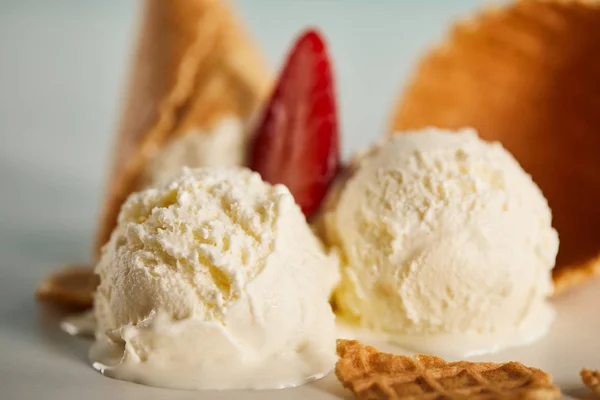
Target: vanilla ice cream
447, 244
214, 281
224, 146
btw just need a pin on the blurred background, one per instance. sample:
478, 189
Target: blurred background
62, 73
63, 69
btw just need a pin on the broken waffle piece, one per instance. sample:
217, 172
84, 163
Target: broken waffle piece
591, 379
72, 285
371, 374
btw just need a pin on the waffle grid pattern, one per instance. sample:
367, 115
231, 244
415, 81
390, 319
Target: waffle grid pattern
373, 375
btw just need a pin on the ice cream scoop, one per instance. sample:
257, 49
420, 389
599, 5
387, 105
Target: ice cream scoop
447, 244
214, 281
195, 71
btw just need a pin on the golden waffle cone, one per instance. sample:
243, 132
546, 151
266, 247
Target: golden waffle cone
194, 65
528, 76
591, 379
372, 375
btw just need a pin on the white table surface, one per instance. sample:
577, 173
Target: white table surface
62, 68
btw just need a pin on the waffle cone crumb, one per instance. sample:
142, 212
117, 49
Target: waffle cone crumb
374, 375
526, 75
72, 285
591, 380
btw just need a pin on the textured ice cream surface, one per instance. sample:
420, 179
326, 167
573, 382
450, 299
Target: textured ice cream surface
224, 146
444, 235
214, 281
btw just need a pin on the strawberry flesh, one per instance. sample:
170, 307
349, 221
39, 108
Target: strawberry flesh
296, 142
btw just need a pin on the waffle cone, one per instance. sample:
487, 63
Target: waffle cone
373, 375
527, 75
194, 65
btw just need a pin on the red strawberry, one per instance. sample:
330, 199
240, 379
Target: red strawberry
297, 140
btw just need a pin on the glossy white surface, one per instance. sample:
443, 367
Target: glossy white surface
63, 64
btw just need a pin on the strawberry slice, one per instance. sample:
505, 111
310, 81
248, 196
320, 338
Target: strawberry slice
297, 140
